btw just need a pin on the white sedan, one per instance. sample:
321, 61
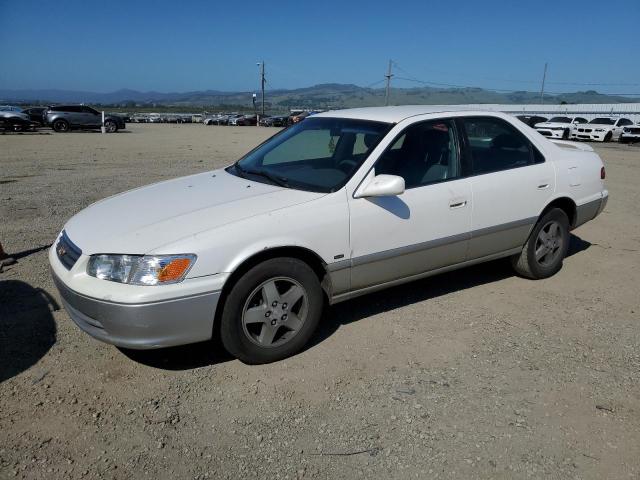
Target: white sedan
559, 127
630, 134
342, 204
601, 129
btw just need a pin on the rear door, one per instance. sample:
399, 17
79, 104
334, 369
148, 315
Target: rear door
91, 117
511, 184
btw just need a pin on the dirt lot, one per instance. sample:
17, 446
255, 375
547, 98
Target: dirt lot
472, 374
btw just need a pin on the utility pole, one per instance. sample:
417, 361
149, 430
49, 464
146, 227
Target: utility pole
262, 83
388, 76
544, 77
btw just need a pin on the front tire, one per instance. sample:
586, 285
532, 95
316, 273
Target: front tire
272, 311
565, 134
607, 137
61, 126
542, 255
110, 126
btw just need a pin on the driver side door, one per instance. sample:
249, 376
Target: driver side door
425, 228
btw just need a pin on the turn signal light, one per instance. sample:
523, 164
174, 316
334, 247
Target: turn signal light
173, 270
602, 173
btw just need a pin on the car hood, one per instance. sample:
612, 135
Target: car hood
11, 114
552, 125
145, 219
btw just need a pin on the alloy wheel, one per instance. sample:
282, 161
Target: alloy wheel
275, 312
549, 244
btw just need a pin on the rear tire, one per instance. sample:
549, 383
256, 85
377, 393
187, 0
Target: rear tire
61, 126
546, 247
272, 311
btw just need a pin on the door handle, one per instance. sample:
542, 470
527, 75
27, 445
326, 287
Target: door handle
458, 204
543, 186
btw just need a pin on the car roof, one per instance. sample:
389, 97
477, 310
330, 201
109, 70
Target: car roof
397, 113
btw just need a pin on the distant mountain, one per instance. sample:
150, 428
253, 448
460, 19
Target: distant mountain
329, 95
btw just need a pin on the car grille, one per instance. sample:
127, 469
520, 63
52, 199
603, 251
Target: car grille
68, 253
635, 131
587, 130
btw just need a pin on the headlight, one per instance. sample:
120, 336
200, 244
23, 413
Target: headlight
141, 270
599, 129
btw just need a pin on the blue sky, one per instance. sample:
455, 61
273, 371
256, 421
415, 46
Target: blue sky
196, 45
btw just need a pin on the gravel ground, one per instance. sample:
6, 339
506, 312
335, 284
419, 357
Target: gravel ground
471, 374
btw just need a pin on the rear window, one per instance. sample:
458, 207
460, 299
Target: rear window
603, 121
560, 120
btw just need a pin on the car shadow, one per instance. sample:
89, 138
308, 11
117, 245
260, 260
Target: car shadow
27, 327
212, 352
420, 290
185, 357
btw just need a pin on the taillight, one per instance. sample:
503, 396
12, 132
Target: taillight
603, 174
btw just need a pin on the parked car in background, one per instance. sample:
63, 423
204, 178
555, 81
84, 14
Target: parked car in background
247, 120
36, 114
298, 117
601, 129
211, 120
233, 119
64, 118
531, 120
275, 121
559, 127
16, 121
342, 204
630, 134
10, 108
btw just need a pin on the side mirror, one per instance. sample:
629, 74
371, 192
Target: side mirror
382, 186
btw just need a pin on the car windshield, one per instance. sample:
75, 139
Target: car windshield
603, 121
319, 154
560, 120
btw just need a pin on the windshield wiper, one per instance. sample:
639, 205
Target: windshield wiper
281, 181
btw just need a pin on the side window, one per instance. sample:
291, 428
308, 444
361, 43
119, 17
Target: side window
495, 145
624, 122
424, 153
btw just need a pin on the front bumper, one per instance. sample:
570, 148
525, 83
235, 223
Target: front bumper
629, 137
547, 132
176, 321
593, 136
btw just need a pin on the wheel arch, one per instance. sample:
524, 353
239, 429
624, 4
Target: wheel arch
567, 205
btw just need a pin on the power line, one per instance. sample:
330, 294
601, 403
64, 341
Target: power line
532, 82
451, 85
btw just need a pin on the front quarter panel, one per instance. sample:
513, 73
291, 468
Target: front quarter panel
320, 226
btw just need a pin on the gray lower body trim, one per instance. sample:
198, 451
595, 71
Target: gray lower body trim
400, 281
589, 210
142, 326
406, 262
499, 238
